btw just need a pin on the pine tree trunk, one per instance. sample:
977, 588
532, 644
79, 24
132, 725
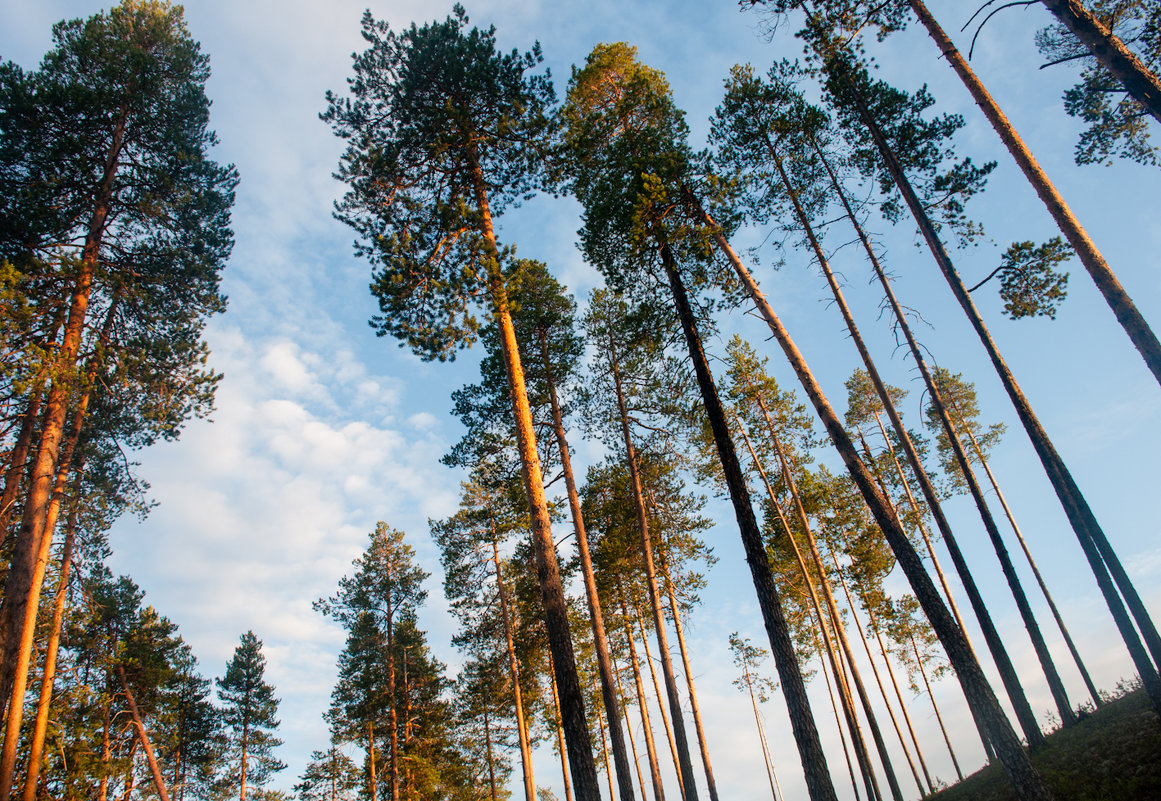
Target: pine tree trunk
983, 616
1088, 682
393, 733
858, 743
600, 639
1016, 762
514, 677
491, 759
657, 695
647, 728
374, 777
1023, 710
158, 779
40, 728
686, 779
818, 780
580, 752
935, 706
17, 461
761, 734
560, 738
1099, 552
106, 746
693, 705
1055, 685
1138, 81
882, 688
837, 622
605, 757
1115, 295
837, 721
632, 742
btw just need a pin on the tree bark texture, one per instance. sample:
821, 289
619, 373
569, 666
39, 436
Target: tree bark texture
818, 781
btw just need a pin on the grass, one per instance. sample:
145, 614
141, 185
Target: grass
1113, 754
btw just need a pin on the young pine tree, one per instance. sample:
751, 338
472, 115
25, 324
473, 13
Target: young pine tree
248, 710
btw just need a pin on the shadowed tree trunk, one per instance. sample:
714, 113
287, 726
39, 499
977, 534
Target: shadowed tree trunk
650, 744
514, 676
818, 780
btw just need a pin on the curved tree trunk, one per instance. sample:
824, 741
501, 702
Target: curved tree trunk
818, 780
143, 736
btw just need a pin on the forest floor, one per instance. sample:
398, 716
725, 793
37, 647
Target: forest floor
1113, 754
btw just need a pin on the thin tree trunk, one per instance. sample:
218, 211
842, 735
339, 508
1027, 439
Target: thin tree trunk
393, 734
883, 689
158, 779
1023, 710
632, 741
693, 705
514, 677
1099, 552
36, 746
657, 694
560, 738
1115, 295
761, 736
650, 745
836, 621
600, 639
818, 782
935, 706
857, 740
580, 752
106, 747
686, 780
1016, 762
605, 756
491, 759
17, 463
837, 721
371, 759
1088, 682
1138, 81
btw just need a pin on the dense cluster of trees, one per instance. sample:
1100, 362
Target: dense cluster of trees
114, 227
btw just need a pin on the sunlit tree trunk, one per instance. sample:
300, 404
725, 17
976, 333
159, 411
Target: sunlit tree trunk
580, 752
1138, 81
143, 736
837, 721
560, 738
632, 740
657, 694
600, 639
1076, 17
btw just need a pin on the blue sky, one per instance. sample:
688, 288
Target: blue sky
321, 429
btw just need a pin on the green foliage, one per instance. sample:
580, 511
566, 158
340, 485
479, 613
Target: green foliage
1030, 284
959, 397
748, 658
441, 127
248, 713
1118, 126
